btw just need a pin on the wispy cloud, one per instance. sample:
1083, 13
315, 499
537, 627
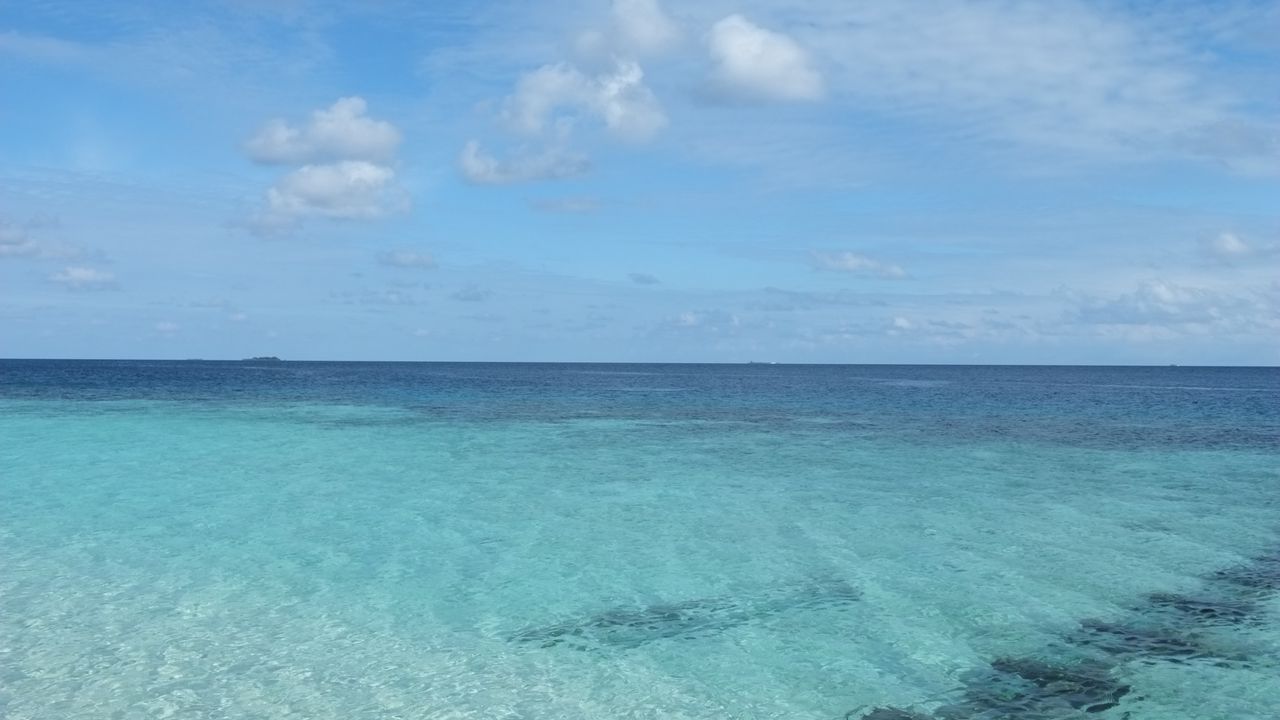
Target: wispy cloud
17, 242
472, 293
41, 48
21, 241
574, 205
636, 28
411, 259
84, 278
1166, 304
1230, 248
643, 27
1065, 75
849, 262
553, 162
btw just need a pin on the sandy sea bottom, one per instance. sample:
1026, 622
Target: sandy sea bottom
161, 558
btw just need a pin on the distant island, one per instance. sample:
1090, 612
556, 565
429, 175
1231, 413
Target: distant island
262, 358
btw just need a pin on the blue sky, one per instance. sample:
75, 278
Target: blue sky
970, 181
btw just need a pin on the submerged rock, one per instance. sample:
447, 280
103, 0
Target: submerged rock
1210, 611
1259, 578
1128, 641
1033, 688
632, 627
892, 713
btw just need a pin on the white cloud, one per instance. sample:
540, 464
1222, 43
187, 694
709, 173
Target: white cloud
472, 293
539, 93
167, 327
40, 48
1244, 145
553, 97
643, 27
1227, 246
703, 322
348, 190
1157, 302
84, 278
342, 131
857, 264
344, 167
636, 28
629, 108
576, 205
1070, 75
554, 162
752, 63
605, 87
408, 259
16, 242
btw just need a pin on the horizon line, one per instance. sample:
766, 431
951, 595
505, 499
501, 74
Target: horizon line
734, 363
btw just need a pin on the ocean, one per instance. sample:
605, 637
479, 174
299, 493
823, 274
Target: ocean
580, 541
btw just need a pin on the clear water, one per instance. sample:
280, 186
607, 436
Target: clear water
333, 540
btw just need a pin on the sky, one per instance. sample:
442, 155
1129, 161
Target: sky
843, 181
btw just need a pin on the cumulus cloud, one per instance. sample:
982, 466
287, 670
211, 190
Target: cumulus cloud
752, 63
408, 259
84, 278
603, 87
643, 279
554, 96
854, 263
348, 190
483, 168
342, 131
343, 170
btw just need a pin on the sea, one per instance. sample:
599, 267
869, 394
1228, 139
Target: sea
349, 541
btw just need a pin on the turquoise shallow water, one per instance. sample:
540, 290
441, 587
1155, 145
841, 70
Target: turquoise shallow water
306, 540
